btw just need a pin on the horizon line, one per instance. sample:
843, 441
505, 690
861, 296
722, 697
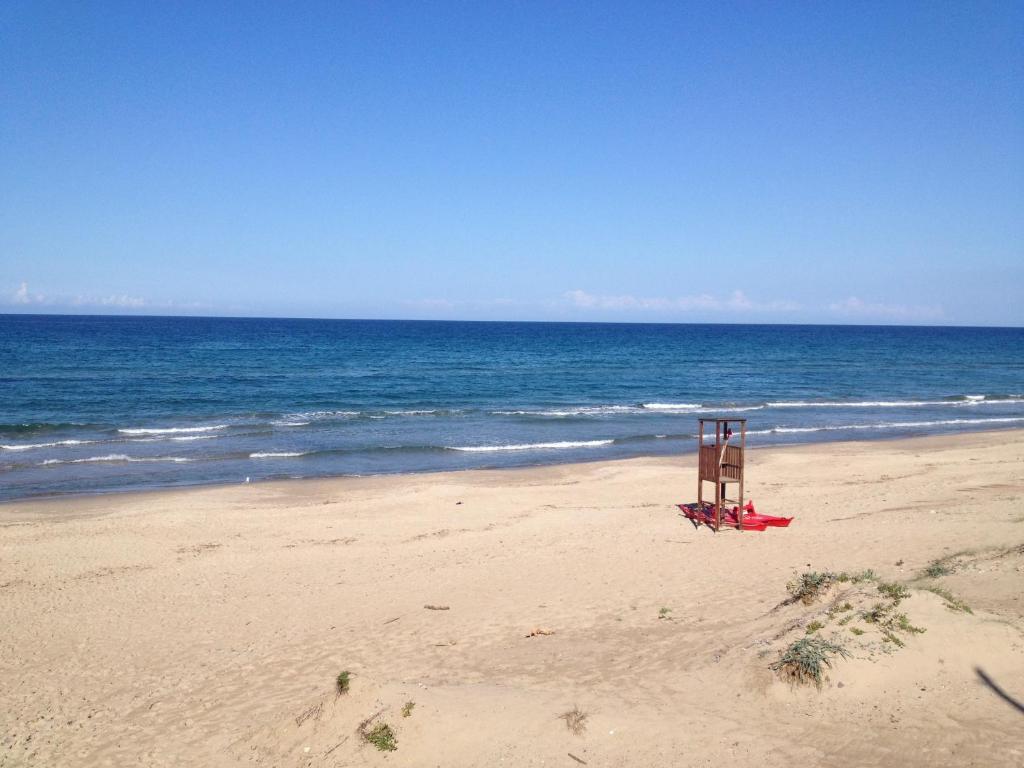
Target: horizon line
450, 320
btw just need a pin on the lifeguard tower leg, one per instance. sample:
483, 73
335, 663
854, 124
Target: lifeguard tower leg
700, 481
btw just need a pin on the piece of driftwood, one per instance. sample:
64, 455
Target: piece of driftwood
335, 746
541, 631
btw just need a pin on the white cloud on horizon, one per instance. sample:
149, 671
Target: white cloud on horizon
22, 296
448, 304
737, 301
852, 308
856, 307
132, 302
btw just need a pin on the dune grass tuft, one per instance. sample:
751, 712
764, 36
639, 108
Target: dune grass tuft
943, 566
382, 737
575, 721
342, 682
810, 585
877, 614
952, 602
807, 659
895, 592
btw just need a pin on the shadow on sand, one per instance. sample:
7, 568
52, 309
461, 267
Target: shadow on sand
999, 691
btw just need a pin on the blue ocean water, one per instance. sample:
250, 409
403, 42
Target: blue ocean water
112, 403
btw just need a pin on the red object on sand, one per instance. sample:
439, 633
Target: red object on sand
752, 521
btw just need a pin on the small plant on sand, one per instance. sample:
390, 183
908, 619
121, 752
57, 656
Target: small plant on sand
856, 578
946, 565
664, 612
809, 586
846, 619
814, 626
342, 682
806, 660
889, 637
837, 609
952, 602
575, 721
407, 708
857, 630
889, 622
382, 737
902, 623
877, 614
895, 592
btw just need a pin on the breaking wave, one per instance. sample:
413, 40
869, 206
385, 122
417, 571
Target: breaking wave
31, 446
562, 445
117, 457
169, 430
887, 425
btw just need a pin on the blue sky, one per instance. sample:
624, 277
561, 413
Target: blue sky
669, 162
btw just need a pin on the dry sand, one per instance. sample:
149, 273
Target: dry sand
206, 627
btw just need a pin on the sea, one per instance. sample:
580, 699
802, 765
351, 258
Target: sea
94, 404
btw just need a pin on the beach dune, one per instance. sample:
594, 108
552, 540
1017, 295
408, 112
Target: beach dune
208, 626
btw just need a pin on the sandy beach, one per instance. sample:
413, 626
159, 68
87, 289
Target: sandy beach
208, 626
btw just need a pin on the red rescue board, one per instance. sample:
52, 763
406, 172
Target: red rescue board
752, 520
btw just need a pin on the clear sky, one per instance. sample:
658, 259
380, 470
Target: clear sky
693, 162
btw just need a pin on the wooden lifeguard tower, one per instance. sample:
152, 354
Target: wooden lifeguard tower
721, 463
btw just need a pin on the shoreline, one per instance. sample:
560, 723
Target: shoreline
202, 486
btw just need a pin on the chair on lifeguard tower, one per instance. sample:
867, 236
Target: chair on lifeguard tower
722, 464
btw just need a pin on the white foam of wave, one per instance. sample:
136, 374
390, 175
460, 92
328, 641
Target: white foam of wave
860, 404
535, 446
308, 416
276, 454
31, 446
117, 457
583, 410
165, 438
888, 425
966, 401
170, 430
671, 407
696, 408
731, 408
